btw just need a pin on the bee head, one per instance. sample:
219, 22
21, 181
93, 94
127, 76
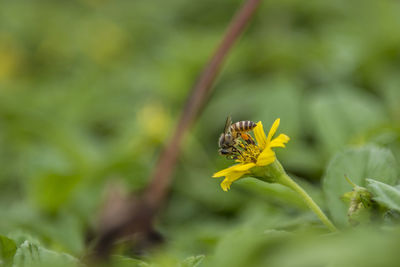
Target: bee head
223, 151
225, 140
226, 151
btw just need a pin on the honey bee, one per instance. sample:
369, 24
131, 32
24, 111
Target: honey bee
229, 138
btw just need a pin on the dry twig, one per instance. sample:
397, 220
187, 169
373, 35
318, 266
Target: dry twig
133, 216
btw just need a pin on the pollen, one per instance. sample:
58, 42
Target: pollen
248, 153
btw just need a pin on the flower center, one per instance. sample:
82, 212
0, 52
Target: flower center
248, 153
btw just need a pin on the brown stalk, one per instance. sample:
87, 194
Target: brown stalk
133, 216
161, 178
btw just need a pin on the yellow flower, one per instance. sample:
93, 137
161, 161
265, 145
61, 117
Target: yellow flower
253, 155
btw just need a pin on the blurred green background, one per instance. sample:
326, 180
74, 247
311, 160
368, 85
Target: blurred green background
90, 91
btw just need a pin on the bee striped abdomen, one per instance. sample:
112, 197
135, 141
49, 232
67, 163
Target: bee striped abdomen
243, 126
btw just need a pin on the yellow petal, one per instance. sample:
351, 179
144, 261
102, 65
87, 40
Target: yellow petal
280, 141
273, 129
226, 183
226, 171
233, 169
260, 136
245, 167
266, 157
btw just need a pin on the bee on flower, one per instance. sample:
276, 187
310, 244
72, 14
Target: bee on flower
231, 138
256, 158
248, 154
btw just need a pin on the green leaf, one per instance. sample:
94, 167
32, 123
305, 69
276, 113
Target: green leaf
122, 261
29, 255
192, 261
47, 192
385, 194
238, 246
358, 164
341, 115
7, 249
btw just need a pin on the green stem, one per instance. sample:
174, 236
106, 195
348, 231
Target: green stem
284, 179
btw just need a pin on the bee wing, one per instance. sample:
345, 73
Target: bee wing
228, 124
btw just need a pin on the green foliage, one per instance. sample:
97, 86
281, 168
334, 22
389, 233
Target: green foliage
7, 250
29, 254
45, 190
342, 115
384, 194
90, 91
193, 261
360, 204
121, 261
358, 164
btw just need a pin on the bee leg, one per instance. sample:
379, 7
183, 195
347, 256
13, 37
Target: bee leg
231, 157
238, 150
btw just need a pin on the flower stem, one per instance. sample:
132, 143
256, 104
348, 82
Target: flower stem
284, 179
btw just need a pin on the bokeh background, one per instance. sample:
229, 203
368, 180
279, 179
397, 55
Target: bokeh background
91, 90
